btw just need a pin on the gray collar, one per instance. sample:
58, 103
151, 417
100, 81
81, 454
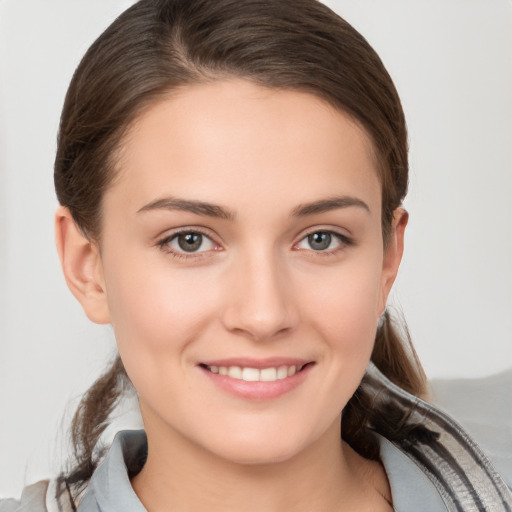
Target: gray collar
110, 489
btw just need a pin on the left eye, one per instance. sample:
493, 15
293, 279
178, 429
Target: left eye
190, 241
321, 241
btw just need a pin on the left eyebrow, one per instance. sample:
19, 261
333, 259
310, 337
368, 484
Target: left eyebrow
331, 203
197, 207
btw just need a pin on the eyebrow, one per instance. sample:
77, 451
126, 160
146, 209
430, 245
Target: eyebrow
197, 207
329, 204
220, 212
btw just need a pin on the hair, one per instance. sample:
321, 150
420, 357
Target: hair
157, 46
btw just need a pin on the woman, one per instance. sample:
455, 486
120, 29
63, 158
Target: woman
231, 176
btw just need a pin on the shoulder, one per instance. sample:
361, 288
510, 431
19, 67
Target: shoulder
449, 454
38, 497
484, 408
33, 499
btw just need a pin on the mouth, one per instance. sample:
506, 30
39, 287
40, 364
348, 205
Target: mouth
256, 378
251, 374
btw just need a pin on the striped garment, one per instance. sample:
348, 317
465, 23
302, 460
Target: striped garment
463, 475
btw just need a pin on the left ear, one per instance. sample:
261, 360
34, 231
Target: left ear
393, 254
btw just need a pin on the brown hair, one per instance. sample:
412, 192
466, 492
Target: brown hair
158, 45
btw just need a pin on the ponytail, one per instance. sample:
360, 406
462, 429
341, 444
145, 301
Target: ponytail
89, 422
394, 355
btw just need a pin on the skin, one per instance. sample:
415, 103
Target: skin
256, 288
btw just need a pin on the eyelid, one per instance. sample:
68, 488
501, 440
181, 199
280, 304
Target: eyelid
164, 241
345, 240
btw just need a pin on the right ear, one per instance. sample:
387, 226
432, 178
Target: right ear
82, 266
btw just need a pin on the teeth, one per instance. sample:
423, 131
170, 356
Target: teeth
268, 374
282, 372
235, 372
254, 374
250, 374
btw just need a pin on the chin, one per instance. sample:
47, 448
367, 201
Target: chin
261, 448
260, 454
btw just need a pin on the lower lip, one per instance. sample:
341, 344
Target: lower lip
258, 390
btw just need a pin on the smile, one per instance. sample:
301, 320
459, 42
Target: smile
249, 374
257, 379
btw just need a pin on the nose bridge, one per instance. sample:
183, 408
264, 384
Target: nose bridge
260, 302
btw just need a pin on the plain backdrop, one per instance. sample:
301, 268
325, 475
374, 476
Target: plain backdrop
452, 63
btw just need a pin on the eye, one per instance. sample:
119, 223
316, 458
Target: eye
323, 241
188, 242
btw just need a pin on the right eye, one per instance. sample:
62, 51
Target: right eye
188, 242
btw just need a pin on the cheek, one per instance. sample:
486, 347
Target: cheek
340, 313
157, 315
155, 310
345, 305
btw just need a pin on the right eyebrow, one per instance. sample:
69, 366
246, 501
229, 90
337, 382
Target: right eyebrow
331, 203
192, 206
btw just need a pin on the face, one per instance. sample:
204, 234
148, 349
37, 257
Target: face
243, 267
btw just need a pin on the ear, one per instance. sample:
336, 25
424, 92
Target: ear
81, 263
393, 254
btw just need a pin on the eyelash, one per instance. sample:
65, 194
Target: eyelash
165, 247
344, 242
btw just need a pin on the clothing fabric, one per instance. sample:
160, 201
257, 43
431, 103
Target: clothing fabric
461, 473
435, 467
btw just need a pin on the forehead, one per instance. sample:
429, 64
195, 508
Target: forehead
231, 141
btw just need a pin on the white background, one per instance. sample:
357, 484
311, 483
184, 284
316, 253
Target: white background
452, 64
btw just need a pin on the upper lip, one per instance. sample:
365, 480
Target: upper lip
248, 362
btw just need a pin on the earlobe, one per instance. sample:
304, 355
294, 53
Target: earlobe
81, 263
393, 254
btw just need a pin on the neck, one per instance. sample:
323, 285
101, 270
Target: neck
326, 476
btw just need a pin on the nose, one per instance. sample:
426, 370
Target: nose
259, 299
